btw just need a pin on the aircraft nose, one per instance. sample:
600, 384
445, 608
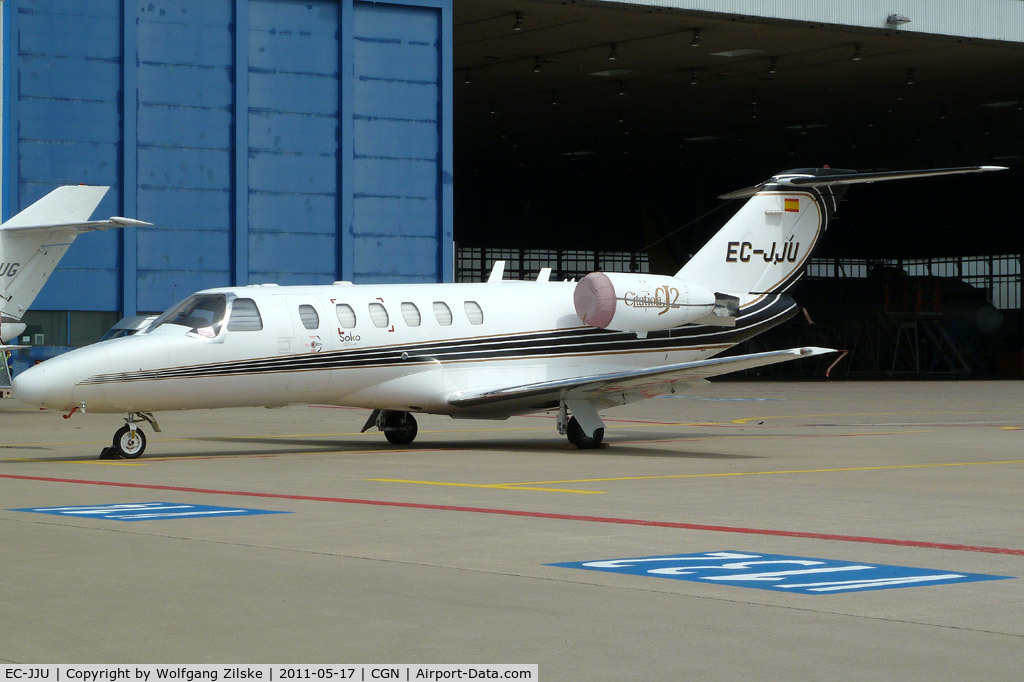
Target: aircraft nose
48, 384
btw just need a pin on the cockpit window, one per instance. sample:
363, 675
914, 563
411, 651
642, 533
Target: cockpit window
245, 316
203, 314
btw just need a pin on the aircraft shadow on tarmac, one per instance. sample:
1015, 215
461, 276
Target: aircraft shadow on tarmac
275, 447
543, 445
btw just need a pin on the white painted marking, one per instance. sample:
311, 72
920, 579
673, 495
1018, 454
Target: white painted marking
778, 575
877, 582
625, 563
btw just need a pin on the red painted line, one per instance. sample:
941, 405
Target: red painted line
538, 515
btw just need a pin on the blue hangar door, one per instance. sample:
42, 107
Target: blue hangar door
288, 141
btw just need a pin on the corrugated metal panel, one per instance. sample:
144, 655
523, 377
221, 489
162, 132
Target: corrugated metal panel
67, 131
983, 19
184, 117
256, 161
396, 136
293, 140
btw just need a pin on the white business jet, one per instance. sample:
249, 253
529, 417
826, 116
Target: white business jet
473, 351
33, 242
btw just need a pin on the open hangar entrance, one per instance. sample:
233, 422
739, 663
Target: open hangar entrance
588, 133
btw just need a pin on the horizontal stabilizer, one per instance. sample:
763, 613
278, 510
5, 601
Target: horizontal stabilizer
819, 177
643, 383
87, 226
855, 178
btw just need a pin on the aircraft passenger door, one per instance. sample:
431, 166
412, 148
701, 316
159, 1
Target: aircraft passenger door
304, 331
309, 324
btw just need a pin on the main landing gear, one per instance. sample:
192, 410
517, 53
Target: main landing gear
398, 427
584, 419
129, 440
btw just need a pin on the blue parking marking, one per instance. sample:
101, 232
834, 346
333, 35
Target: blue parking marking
147, 511
779, 573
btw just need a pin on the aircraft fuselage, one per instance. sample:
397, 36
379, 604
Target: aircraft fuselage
408, 347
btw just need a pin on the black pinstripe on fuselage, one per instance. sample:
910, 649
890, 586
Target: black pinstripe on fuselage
576, 341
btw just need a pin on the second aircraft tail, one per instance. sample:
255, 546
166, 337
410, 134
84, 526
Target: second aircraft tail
34, 240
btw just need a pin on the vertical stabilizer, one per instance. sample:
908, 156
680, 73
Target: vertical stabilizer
764, 247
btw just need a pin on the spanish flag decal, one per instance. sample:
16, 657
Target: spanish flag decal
792, 205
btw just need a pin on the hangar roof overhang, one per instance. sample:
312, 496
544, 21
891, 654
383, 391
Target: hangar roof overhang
540, 79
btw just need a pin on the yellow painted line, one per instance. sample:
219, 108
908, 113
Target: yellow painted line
108, 462
747, 420
495, 486
10, 446
697, 439
769, 473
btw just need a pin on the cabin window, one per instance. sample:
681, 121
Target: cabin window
202, 314
411, 314
245, 316
443, 313
310, 320
474, 312
378, 315
346, 316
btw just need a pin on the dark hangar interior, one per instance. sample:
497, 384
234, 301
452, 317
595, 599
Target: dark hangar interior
604, 127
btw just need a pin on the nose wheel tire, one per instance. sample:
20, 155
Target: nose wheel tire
129, 445
400, 428
575, 434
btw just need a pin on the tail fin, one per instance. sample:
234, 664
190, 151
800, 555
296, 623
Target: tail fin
764, 247
33, 242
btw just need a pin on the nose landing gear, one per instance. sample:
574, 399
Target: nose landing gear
129, 440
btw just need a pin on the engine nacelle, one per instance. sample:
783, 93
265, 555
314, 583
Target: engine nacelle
642, 303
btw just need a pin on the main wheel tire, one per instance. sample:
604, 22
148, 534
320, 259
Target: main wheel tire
128, 446
581, 440
400, 428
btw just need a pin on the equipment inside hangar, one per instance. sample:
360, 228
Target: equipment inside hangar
597, 135
587, 135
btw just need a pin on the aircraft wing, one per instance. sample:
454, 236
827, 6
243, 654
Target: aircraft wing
627, 386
